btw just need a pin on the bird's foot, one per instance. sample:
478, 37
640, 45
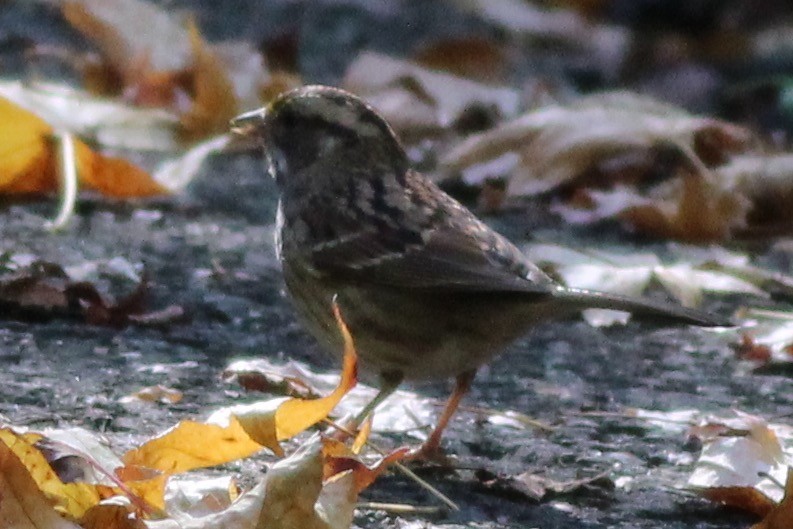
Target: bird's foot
430, 452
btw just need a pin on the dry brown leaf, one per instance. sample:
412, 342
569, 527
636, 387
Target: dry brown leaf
110, 516
163, 62
749, 349
338, 458
606, 45
746, 498
131, 30
22, 504
415, 99
250, 375
214, 100
473, 57
700, 211
767, 181
43, 290
558, 144
537, 487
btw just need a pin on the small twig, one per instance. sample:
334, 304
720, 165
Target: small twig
771, 478
400, 508
67, 173
625, 415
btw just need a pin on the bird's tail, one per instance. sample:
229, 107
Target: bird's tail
645, 308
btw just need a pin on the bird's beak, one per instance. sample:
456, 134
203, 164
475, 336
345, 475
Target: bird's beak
245, 124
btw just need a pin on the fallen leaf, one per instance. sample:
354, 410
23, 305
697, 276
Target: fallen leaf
110, 516
536, 487
781, 515
22, 504
43, 290
191, 445
297, 498
292, 495
254, 375
158, 393
766, 338
402, 412
75, 470
698, 210
633, 275
200, 497
743, 455
214, 100
28, 166
749, 349
103, 121
746, 498
473, 57
339, 459
415, 99
165, 63
606, 46
129, 31
239, 431
558, 144
18, 452
766, 180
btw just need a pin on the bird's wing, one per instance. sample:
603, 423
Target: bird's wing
467, 257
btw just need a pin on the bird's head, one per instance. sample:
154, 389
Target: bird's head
320, 124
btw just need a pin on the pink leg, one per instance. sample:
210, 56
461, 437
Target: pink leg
432, 446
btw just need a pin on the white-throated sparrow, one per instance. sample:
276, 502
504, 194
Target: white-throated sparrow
426, 288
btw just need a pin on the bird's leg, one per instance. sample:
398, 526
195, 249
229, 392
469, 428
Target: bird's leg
389, 381
431, 447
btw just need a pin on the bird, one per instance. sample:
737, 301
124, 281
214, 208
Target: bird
428, 290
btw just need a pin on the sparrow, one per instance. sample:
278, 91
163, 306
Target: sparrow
427, 289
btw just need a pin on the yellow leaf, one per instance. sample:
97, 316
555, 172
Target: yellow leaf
146, 484
22, 504
72, 498
191, 445
27, 161
239, 431
296, 415
26, 158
